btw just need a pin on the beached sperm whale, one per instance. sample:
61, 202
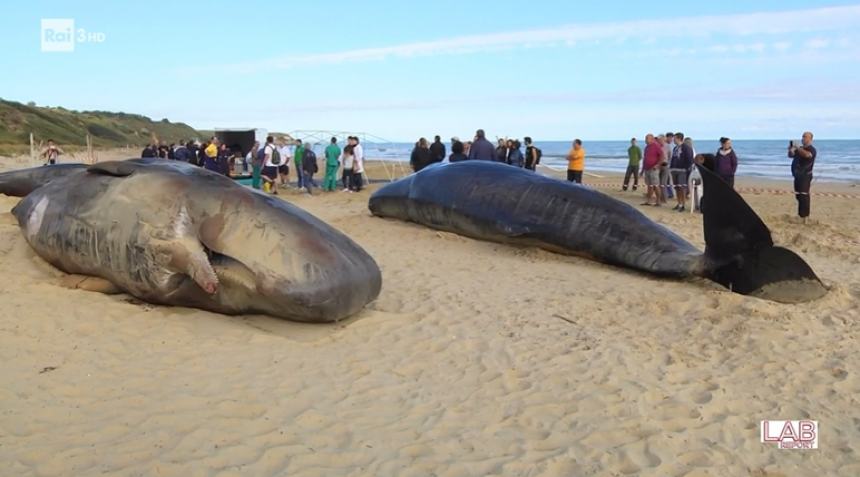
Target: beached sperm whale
175, 234
500, 203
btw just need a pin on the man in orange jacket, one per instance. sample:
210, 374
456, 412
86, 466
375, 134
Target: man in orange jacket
576, 162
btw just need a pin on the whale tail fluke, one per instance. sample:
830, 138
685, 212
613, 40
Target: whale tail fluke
741, 253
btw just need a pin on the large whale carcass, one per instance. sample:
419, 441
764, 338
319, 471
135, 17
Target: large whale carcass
500, 203
174, 234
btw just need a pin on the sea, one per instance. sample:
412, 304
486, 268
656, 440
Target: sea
838, 160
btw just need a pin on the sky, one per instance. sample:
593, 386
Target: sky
400, 70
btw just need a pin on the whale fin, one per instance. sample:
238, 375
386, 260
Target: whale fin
113, 168
89, 283
741, 254
189, 257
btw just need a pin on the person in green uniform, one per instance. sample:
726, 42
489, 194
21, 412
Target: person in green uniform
332, 156
634, 155
256, 167
297, 159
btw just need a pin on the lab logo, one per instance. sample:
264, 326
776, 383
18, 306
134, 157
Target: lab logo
58, 34
790, 434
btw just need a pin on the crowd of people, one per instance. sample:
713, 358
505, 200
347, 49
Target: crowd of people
269, 164
507, 151
665, 164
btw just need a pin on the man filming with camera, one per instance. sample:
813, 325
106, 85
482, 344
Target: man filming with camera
803, 158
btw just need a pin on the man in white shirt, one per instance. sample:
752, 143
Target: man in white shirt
270, 169
286, 157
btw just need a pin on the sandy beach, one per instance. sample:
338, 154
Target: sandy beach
476, 359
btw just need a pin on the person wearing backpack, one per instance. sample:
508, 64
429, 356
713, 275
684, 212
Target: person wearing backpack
271, 159
533, 154
300, 152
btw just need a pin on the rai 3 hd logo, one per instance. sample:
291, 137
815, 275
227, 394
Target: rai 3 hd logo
790, 434
60, 35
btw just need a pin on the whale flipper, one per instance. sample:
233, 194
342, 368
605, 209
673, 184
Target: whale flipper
88, 283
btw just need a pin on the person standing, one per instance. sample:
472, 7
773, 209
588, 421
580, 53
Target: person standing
533, 154
502, 149
332, 154
437, 149
576, 162
271, 161
803, 160
682, 162
284, 167
666, 148
210, 159
297, 161
51, 153
726, 162
309, 168
358, 168
181, 152
457, 152
651, 169
481, 149
148, 152
256, 166
634, 157
515, 155
422, 156
348, 159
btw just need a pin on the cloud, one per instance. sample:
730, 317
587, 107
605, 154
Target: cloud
735, 25
817, 43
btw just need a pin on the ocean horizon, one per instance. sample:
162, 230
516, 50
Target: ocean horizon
838, 159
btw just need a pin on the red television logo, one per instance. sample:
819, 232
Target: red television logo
791, 434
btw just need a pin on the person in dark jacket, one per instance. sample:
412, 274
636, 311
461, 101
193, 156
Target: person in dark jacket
533, 154
437, 149
224, 155
149, 151
481, 149
502, 151
803, 159
679, 167
457, 154
421, 156
726, 162
181, 152
515, 155
309, 168
194, 152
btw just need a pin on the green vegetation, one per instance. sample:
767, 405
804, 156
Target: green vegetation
70, 128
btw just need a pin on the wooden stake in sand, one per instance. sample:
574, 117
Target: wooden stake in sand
89, 150
32, 152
